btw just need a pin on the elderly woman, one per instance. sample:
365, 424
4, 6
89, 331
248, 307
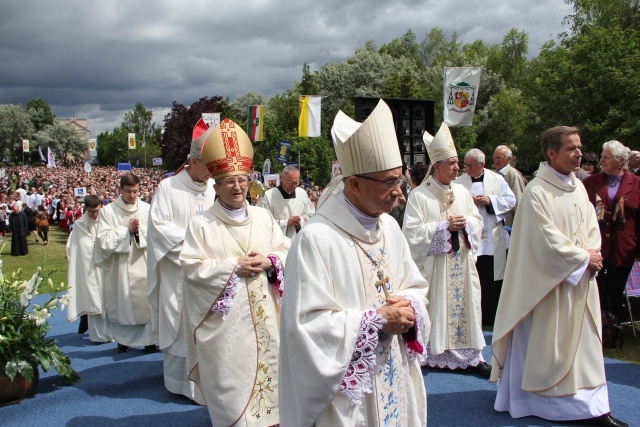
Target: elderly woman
615, 193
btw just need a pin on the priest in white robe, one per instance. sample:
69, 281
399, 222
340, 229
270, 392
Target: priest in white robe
121, 251
83, 278
494, 200
176, 201
547, 351
288, 203
502, 157
443, 228
233, 259
354, 323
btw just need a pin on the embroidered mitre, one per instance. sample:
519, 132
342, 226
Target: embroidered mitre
201, 132
371, 146
440, 147
227, 151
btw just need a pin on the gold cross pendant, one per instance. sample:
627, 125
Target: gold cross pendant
383, 282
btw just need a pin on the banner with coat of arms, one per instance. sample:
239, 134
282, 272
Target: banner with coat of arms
132, 141
461, 85
93, 147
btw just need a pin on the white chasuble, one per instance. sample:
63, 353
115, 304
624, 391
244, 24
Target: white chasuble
233, 356
332, 283
282, 209
176, 201
454, 286
123, 259
85, 280
552, 231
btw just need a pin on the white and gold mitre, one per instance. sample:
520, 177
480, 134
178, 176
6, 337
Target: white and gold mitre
371, 146
201, 132
228, 151
440, 147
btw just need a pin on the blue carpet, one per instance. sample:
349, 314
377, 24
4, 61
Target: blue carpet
127, 390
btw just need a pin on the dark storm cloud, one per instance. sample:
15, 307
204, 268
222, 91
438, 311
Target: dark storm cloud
96, 59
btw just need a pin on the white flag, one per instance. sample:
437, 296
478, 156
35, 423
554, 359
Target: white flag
461, 87
51, 162
41, 155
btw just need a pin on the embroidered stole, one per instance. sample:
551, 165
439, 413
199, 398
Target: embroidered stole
262, 408
389, 383
458, 310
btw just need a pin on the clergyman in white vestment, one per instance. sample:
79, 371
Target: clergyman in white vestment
494, 200
121, 251
547, 351
354, 320
233, 259
288, 203
443, 228
83, 278
176, 201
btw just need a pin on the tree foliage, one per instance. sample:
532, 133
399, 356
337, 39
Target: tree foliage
40, 114
15, 125
62, 139
175, 142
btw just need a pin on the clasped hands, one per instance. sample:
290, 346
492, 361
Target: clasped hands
134, 225
457, 222
481, 199
595, 260
294, 221
253, 264
399, 315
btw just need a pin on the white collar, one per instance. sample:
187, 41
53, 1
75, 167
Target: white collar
240, 213
369, 223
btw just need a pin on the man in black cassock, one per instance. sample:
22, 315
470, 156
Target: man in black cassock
19, 231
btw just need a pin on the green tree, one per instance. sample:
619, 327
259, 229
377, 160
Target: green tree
15, 125
40, 114
148, 133
62, 139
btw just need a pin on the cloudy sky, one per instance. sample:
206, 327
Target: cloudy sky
96, 59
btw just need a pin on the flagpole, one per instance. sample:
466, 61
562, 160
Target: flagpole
144, 144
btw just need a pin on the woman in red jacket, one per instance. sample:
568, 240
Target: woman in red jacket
615, 193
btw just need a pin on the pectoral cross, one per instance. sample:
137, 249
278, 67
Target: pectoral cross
383, 282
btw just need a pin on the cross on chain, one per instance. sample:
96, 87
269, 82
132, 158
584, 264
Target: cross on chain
383, 282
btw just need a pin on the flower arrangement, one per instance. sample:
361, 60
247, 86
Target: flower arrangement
23, 329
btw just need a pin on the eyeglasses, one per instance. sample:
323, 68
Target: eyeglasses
230, 182
472, 165
390, 184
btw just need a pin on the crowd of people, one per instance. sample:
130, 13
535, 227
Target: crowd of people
310, 307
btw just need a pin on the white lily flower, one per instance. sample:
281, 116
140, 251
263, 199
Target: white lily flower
24, 298
40, 316
64, 301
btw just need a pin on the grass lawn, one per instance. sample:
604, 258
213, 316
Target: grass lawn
52, 258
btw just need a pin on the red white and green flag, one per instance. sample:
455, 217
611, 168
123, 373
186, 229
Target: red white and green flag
255, 122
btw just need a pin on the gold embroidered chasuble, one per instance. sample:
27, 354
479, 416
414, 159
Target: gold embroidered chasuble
454, 286
233, 358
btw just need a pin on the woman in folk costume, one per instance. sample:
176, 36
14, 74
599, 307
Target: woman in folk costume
233, 258
354, 324
443, 227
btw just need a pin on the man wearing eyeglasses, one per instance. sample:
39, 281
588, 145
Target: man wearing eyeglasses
354, 324
177, 200
233, 260
288, 203
494, 200
121, 246
443, 228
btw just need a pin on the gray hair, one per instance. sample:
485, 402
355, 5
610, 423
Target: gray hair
288, 169
475, 153
634, 153
617, 150
507, 151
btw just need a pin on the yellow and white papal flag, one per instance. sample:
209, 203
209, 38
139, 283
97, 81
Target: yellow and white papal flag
461, 86
132, 141
309, 123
